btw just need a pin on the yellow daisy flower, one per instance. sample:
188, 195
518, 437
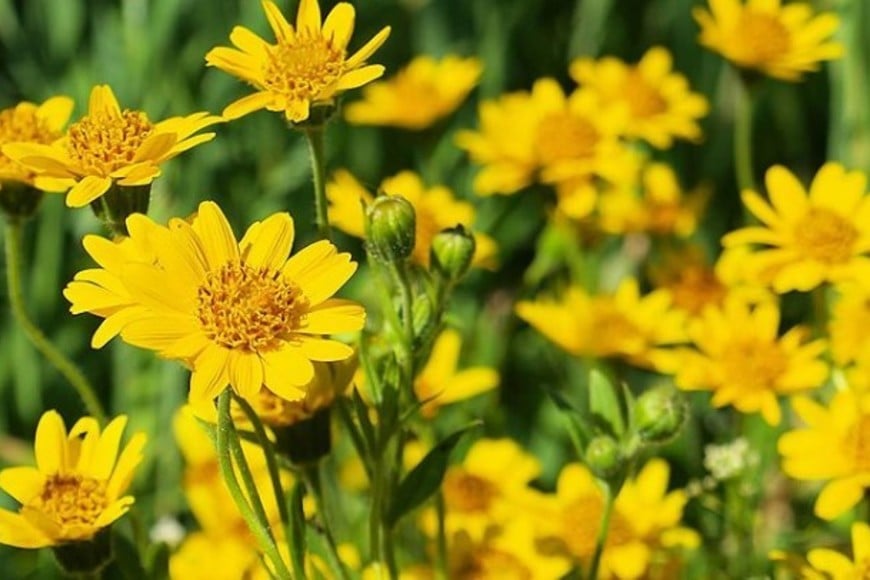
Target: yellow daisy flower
783, 42
624, 324
836, 566
30, 123
812, 238
419, 95
660, 105
108, 147
238, 313
77, 486
645, 521
831, 447
850, 317
436, 209
739, 356
307, 66
440, 383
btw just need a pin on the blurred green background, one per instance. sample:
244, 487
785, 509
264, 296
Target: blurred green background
152, 54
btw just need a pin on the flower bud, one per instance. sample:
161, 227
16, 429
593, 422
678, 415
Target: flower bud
120, 202
18, 201
659, 414
85, 556
452, 252
604, 457
391, 228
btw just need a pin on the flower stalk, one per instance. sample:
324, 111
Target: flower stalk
316, 150
603, 530
744, 109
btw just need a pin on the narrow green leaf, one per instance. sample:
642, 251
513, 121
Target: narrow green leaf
604, 402
127, 557
297, 529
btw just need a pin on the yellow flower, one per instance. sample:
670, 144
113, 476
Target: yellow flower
30, 123
436, 209
739, 356
831, 447
659, 103
439, 383
645, 521
238, 313
823, 236
660, 209
216, 557
77, 486
780, 41
837, 566
107, 147
307, 66
624, 324
419, 95
850, 317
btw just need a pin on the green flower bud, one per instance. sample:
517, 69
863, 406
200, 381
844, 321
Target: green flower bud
18, 201
85, 556
659, 415
604, 457
120, 202
391, 228
452, 252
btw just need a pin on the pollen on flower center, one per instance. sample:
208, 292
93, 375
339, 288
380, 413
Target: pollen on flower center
102, 144
491, 563
562, 136
25, 126
466, 492
696, 288
73, 500
253, 309
580, 532
302, 69
858, 440
762, 37
613, 329
825, 236
752, 362
644, 100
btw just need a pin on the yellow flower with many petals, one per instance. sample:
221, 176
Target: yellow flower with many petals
419, 95
435, 207
823, 236
836, 566
238, 313
439, 383
783, 42
660, 105
307, 66
108, 147
624, 324
30, 123
644, 525
850, 317
77, 486
832, 447
739, 356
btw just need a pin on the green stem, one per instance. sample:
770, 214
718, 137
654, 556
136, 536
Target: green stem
400, 272
57, 359
311, 474
227, 440
375, 514
318, 170
603, 529
743, 137
441, 565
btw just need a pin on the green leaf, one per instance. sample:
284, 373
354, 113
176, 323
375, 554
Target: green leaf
127, 558
425, 479
297, 544
158, 566
604, 402
575, 420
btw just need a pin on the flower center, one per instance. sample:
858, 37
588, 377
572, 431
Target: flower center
465, 492
241, 307
72, 500
580, 526
858, 439
752, 363
643, 99
303, 69
102, 144
22, 125
493, 563
564, 136
615, 333
696, 288
761, 38
826, 236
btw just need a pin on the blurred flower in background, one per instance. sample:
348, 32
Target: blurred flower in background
31, 123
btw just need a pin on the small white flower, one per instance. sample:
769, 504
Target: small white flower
167, 530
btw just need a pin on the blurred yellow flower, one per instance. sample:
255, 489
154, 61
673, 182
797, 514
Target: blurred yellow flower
238, 313
847, 327
645, 520
812, 238
307, 66
440, 383
436, 209
30, 123
77, 486
108, 147
833, 446
739, 356
783, 42
836, 566
624, 324
419, 95
660, 104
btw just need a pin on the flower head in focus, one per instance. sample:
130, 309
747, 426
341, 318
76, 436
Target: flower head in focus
77, 487
109, 146
419, 95
783, 42
30, 123
237, 313
307, 66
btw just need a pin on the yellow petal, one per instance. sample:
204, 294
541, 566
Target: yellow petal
308, 16
368, 49
268, 245
55, 112
339, 25
103, 102
838, 496
247, 105
359, 77
154, 147
106, 451
286, 371
18, 532
22, 483
114, 511
210, 375
334, 316
468, 383
325, 350
129, 459
246, 374
282, 29
248, 42
50, 443
218, 240
319, 270
87, 190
